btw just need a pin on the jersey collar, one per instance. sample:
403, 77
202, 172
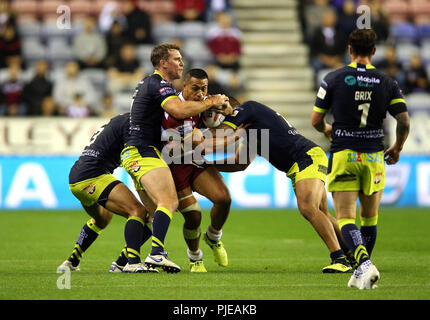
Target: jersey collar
354, 65
156, 72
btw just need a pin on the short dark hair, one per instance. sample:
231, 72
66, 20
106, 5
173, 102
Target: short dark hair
362, 41
161, 52
196, 73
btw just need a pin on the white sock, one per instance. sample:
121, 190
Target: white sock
195, 255
213, 234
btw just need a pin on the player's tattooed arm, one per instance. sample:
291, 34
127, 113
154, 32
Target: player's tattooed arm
392, 154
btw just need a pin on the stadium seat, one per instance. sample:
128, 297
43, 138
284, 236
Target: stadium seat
425, 53
49, 7
192, 29
81, 7
30, 29
98, 78
424, 31
404, 32
405, 51
418, 101
58, 50
164, 30
197, 50
25, 7
379, 54
33, 49
122, 101
144, 56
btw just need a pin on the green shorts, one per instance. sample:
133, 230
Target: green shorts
316, 170
138, 162
89, 191
355, 171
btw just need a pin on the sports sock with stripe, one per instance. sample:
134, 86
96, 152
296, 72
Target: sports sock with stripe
133, 232
160, 225
369, 232
87, 236
353, 239
123, 257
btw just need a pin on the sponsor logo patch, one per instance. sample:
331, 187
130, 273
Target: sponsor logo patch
90, 189
135, 166
378, 177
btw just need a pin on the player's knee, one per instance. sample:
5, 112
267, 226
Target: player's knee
137, 210
222, 198
192, 219
307, 209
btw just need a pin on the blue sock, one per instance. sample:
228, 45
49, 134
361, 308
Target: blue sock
353, 239
87, 236
133, 238
160, 225
369, 232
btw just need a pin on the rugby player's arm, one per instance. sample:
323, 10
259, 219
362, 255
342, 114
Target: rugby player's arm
392, 154
233, 163
214, 143
319, 123
184, 109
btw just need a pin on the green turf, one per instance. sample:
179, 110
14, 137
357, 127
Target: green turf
273, 254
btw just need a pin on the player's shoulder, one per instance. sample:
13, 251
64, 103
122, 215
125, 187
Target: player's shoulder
336, 74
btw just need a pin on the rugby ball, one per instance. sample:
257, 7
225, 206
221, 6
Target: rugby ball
212, 119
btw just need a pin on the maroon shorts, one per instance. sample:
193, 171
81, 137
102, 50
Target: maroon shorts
184, 174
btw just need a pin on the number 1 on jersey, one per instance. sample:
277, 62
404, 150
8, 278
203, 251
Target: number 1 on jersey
365, 112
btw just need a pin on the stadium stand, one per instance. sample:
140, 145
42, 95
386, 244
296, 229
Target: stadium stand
41, 34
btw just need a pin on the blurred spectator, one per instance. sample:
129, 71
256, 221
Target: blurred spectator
126, 71
78, 108
115, 39
339, 4
392, 66
328, 44
139, 27
73, 83
224, 42
107, 109
90, 45
10, 46
38, 89
11, 98
215, 6
313, 13
347, 21
416, 76
111, 12
7, 16
189, 10
380, 22
49, 107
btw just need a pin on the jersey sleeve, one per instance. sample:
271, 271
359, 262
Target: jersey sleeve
162, 91
397, 101
323, 99
236, 118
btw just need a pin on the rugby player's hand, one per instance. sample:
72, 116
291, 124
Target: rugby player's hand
219, 101
392, 155
228, 110
327, 131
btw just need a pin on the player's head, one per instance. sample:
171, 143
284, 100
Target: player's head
362, 43
195, 85
167, 59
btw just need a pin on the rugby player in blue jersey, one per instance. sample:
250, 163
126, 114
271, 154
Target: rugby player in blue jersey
359, 97
141, 156
304, 162
101, 195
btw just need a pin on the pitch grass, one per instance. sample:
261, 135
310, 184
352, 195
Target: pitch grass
273, 255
